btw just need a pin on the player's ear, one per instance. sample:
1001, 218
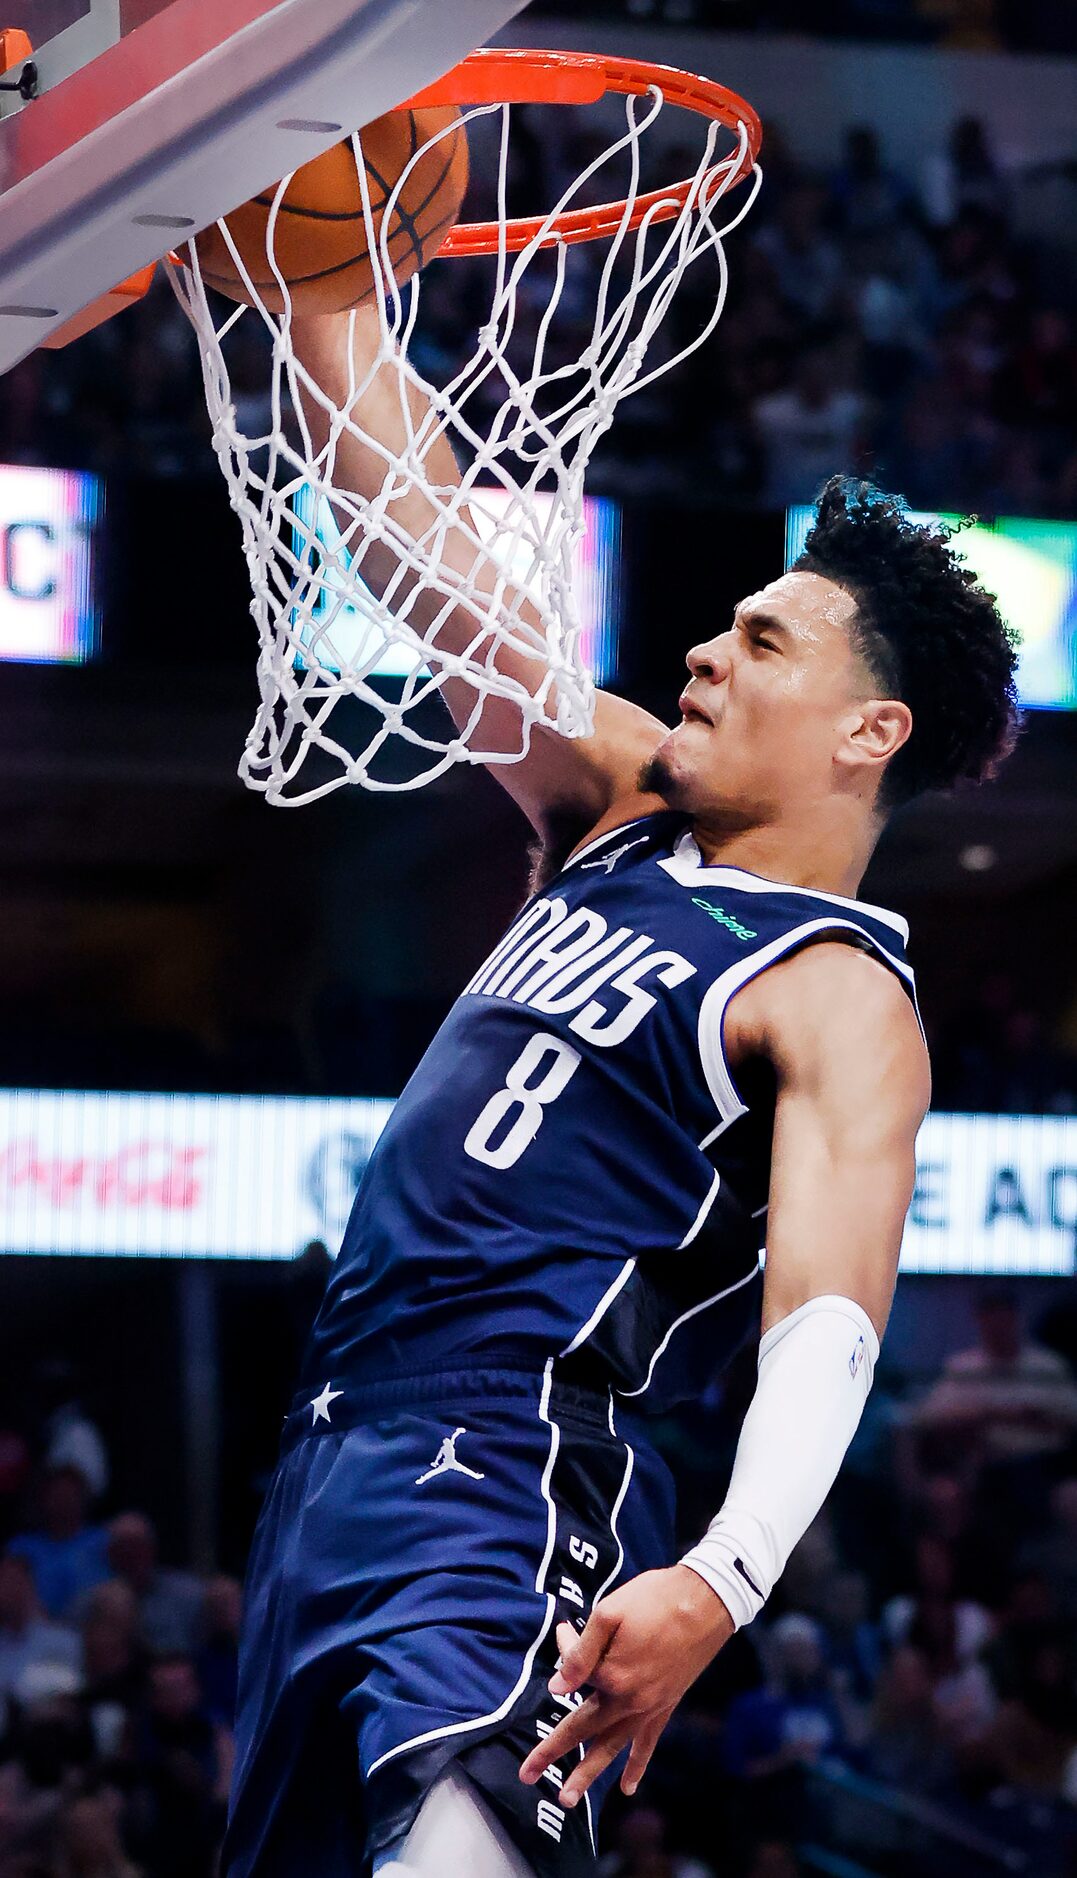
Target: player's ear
874, 733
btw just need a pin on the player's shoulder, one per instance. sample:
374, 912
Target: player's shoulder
835, 985
833, 975
832, 1002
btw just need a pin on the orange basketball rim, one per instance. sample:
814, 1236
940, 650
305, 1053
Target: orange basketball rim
519, 75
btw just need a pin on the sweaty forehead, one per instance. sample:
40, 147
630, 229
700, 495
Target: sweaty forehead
808, 604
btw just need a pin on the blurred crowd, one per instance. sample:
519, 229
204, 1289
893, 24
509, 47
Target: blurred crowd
976, 25
117, 1691
908, 1701
919, 328
993, 1053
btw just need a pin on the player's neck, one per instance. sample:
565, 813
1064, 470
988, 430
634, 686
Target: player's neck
829, 853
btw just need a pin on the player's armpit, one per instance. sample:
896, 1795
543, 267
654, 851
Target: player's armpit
853, 1084
582, 775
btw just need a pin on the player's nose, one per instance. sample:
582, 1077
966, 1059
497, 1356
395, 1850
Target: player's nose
710, 661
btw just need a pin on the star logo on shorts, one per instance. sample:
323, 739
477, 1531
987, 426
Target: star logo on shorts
320, 1404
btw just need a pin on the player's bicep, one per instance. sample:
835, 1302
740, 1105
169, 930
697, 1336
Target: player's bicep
853, 1086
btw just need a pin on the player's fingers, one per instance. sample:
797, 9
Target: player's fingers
583, 1655
598, 1756
644, 1742
576, 1728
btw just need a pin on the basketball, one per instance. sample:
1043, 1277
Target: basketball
322, 237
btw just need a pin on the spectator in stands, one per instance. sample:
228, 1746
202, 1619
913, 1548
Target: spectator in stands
27, 1638
908, 1745
66, 1554
183, 1766
113, 1664
218, 1661
934, 1582
809, 429
866, 194
805, 261
924, 452
950, 1633
964, 175
1031, 1744
1007, 1400
91, 1845
1052, 1556
794, 1718
1027, 1620
71, 1437
854, 1648
1040, 384
169, 1602
48, 1748
642, 1850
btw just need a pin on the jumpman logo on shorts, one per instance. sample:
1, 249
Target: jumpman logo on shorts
445, 1461
610, 860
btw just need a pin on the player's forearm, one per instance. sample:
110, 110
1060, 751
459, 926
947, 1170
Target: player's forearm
815, 1371
445, 590
387, 415
345, 360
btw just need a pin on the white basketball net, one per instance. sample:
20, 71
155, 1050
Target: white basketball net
324, 635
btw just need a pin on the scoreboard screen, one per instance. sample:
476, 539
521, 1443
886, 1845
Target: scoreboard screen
595, 583
1031, 566
50, 524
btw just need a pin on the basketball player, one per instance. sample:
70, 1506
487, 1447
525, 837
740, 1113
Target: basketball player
693, 1040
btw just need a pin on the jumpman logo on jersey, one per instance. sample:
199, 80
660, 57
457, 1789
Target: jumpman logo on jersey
610, 860
445, 1461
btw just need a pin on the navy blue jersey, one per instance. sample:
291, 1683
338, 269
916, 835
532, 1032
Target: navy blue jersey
573, 1170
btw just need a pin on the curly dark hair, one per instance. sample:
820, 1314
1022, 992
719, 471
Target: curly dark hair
928, 633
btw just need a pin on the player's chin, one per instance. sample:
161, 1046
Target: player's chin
672, 772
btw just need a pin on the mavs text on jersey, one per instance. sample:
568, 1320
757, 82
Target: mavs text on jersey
559, 1233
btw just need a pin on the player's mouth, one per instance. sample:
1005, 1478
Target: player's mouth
690, 710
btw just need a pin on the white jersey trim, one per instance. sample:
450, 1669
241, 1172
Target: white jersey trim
630, 1461
627, 1395
617, 1504
601, 1307
613, 1291
687, 866
712, 1195
713, 1008
498, 1714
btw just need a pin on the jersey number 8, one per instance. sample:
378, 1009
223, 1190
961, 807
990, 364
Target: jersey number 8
528, 1101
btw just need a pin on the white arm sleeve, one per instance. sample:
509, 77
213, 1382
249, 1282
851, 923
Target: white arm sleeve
815, 1371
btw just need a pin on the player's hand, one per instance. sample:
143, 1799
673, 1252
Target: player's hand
641, 1648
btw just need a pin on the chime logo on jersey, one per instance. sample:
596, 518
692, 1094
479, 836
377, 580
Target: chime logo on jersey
726, 919
555, 961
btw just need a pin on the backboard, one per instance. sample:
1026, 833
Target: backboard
145, 120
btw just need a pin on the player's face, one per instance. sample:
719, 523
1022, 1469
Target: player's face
769, 704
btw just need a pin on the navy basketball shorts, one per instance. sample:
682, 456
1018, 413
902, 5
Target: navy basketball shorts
420, 1542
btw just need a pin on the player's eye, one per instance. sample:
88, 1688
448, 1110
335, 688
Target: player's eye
760, 639
755, 637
